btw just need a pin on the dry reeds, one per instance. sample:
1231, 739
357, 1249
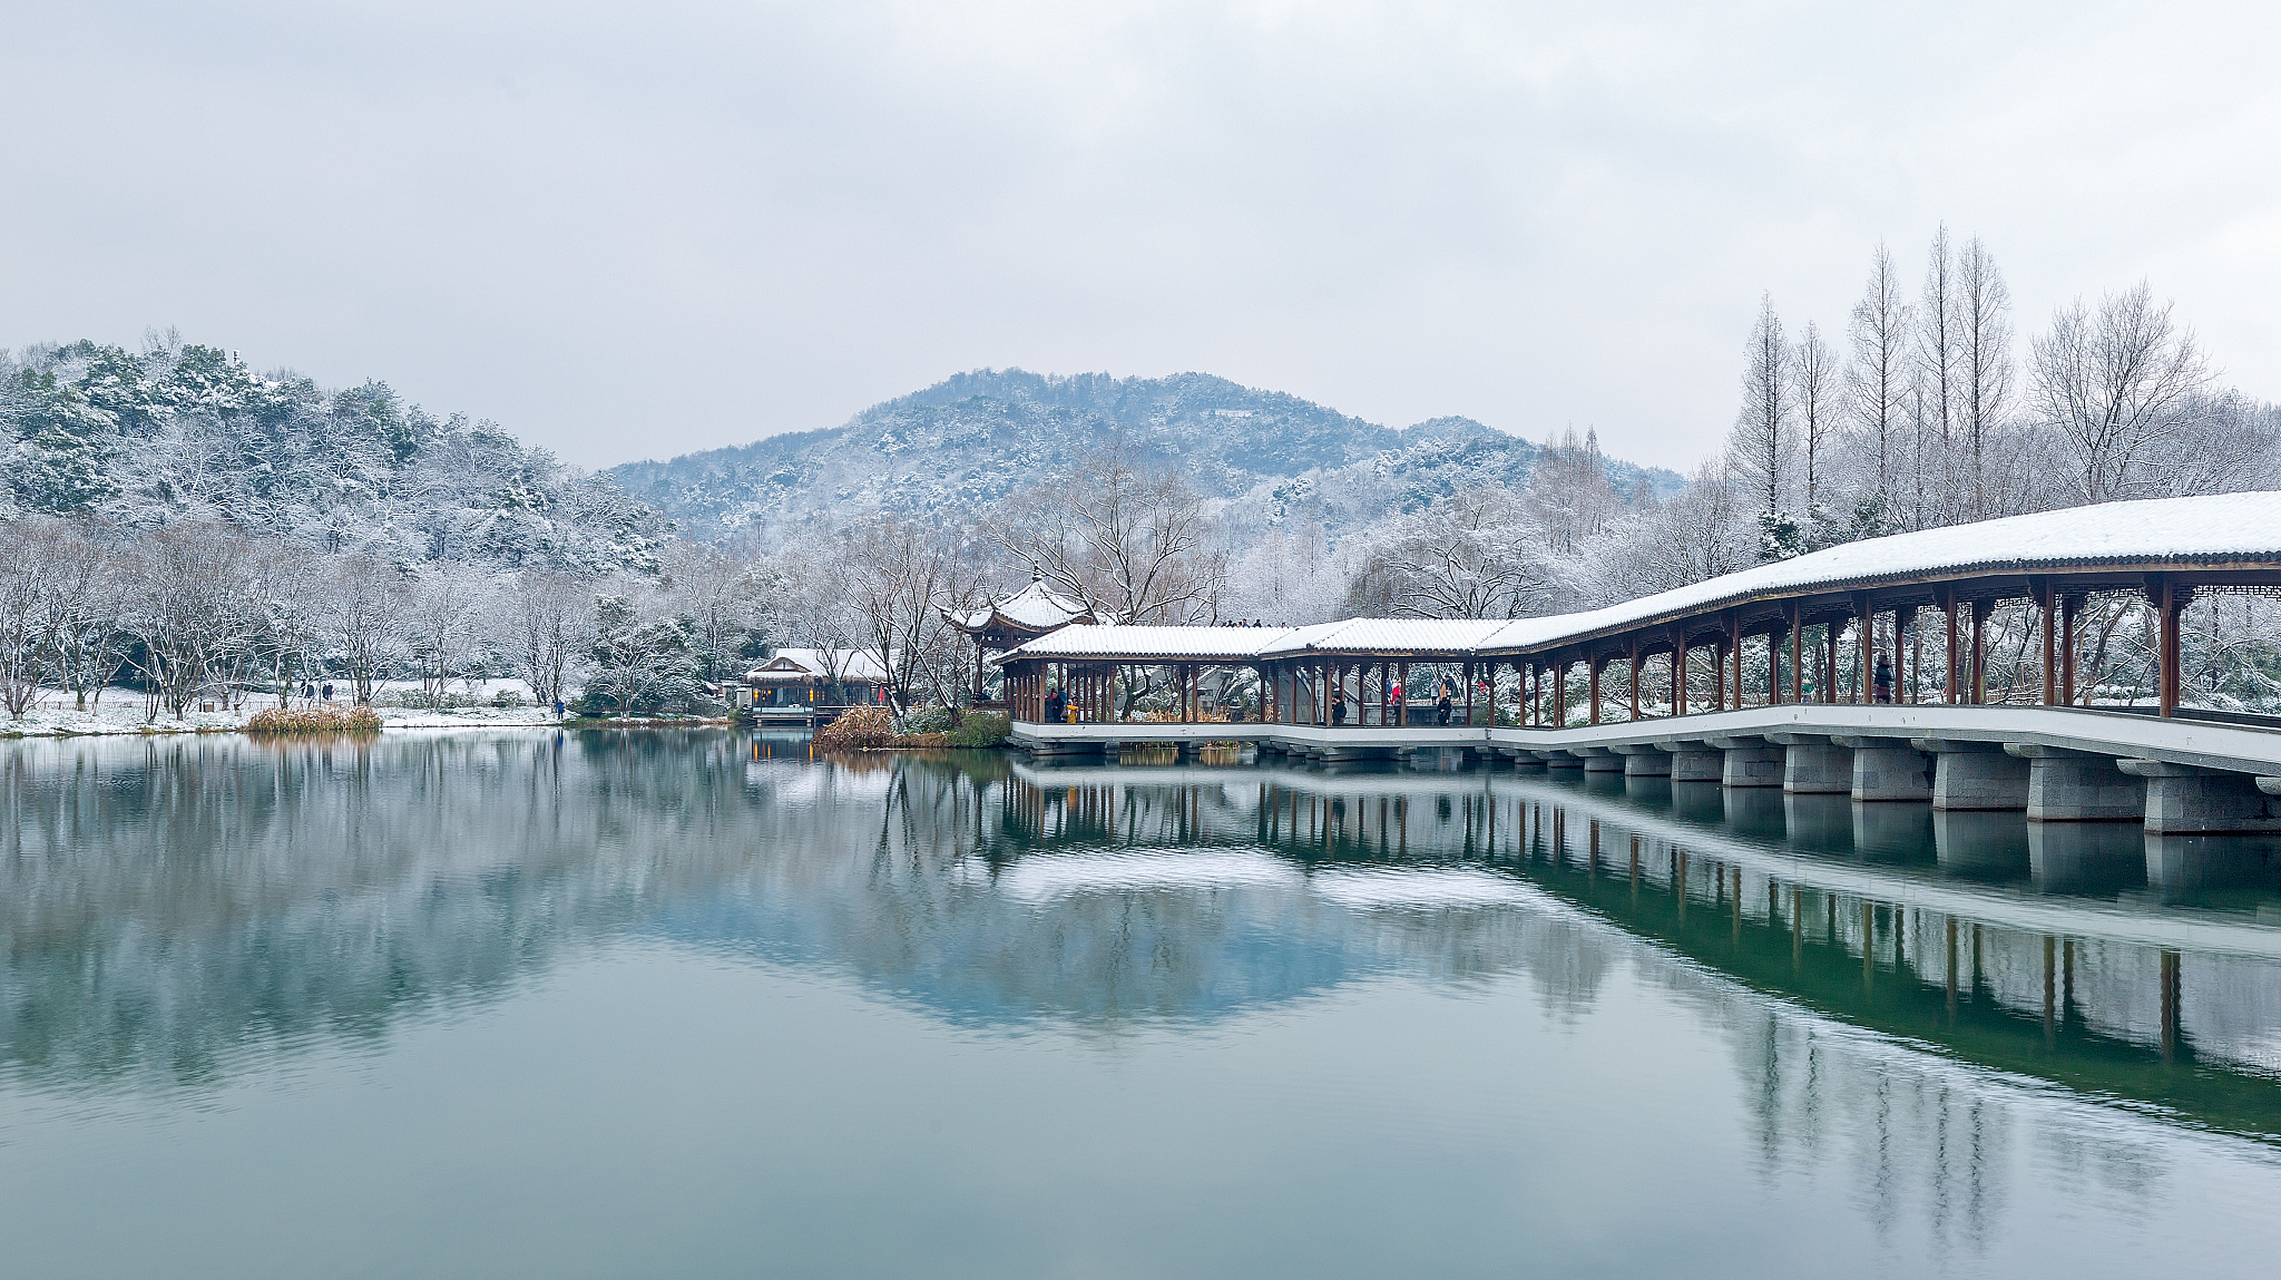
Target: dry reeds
278, 720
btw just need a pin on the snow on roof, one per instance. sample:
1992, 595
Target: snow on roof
2153, 531
2158, 532
1036, 607
806, 664
1392, 635
1147, 644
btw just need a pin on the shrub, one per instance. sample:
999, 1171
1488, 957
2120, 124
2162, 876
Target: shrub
981, 729
506, 698
856, 729
931, 720
277, 720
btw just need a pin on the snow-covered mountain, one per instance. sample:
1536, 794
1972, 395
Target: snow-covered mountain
971, 440
182, 430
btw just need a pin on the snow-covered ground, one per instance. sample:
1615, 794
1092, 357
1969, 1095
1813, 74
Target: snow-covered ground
124, 711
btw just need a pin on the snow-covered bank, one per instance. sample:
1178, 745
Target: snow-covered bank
123, 711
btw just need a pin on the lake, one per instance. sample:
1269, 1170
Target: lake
697, 1004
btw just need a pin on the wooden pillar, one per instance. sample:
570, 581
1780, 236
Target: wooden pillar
1592, 665
1634, 647
1719, 674
1950, 690
2045, 617
1980, 611
1905, 629
1865, 647
1734, 648
1560, 696
1831, 633
1469, 696
2067, 607
2170, 602
1679, 671
1797, 654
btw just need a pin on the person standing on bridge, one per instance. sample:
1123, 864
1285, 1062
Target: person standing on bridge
1881, 684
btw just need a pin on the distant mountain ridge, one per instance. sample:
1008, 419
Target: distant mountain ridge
971, 440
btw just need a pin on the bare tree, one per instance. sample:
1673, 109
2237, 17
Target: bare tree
1471, 554
1569, 495
716, 592
24, 593
1122, 538
1877, 376
443, 623
1984, 368
2111, 385
365, 628
1813, 371
544, 625
192, 607
1762, 444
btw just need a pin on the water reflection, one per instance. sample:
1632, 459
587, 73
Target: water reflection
174, 911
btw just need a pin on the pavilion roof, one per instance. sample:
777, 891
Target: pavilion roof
1035, 608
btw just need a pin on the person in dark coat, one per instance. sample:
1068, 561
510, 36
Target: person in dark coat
1056, 706
1338, 706
1881, 684
1443, 705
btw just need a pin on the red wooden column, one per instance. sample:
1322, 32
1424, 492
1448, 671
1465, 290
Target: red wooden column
2068, 604
1831, 633
1734, 649
1865, 647
1951, 692
1797, 654
2170, 602
1980, 611
1679, 671
1469, 695
1634, 655
2047, 615
1592, 664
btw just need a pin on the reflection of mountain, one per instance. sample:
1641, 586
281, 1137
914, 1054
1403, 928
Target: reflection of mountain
176, 906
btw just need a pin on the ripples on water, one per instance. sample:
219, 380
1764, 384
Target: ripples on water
1222, 1018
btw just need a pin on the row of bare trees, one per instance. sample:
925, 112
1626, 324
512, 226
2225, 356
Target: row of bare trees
1933, 417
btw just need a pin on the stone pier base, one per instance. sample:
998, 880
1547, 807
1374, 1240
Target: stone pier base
1817, 769
2078, 786
1975, 775
1889, 769
1599, 759
1645, 762
1697, 764
2186, 800
1749, 762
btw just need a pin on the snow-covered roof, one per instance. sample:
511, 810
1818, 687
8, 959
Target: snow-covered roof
1036, 607
800, 665
1148, 644
2156, 531
1392, 635
2172, 533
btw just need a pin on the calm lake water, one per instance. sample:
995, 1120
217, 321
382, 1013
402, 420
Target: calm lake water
696, 1005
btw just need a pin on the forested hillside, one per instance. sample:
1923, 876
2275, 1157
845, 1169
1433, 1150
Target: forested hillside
181, 431
975, 439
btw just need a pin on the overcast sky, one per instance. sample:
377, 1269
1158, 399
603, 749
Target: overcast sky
636, 230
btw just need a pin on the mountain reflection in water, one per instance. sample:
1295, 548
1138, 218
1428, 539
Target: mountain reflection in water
174, 912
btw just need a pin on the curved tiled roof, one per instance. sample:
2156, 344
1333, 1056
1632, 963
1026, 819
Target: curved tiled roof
2224, 530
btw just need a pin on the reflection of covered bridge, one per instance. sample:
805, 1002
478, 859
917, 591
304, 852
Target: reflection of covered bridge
1762, 677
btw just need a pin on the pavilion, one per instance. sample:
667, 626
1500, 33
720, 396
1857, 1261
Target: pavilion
1012, 621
